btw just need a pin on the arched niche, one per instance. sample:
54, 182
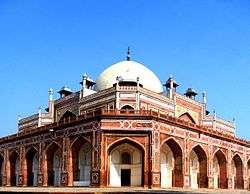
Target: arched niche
126, 161
32, 166
187, 117
81, 162
67, 115
54, 163
171, 164
14, 168
198, 168
220, 170
237, 172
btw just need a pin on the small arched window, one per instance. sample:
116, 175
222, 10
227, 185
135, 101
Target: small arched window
126, 158
127, 107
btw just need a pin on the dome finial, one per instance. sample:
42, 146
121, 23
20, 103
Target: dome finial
128, 54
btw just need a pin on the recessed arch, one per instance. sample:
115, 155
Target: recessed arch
33, 148
125, 140
32, 166
131, 173
81, 161
171, 164
54, 162
187, 117
198, 167
220, 170
14, 168
79, 138
172, 139
67, 114
127, 107
237, 172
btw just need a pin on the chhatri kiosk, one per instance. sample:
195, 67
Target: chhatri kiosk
125, 129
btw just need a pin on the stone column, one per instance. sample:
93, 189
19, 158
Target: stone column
155, 157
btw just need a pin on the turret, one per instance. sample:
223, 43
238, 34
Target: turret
171, 86
87, 85
191, 93
64, 91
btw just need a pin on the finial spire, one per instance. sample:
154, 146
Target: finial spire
128, 54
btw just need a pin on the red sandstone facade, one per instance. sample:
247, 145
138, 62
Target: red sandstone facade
125, 114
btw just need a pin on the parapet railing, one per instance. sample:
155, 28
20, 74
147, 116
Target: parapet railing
128, 113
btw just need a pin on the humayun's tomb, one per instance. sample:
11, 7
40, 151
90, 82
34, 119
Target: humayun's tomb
125, 128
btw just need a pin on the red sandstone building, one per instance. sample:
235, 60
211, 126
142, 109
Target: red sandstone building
124, 130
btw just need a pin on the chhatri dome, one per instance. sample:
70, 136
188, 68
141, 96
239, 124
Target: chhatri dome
128, 71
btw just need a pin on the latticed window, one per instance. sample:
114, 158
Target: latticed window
126, 158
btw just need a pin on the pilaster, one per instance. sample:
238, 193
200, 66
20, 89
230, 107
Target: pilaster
22, 181
186, 183
210, 165
229, 170
6, 174
155, 156
96, 158
65, 162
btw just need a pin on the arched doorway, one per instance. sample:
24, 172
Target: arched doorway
14, 168
126, 164
171, 165
54, 162
220, 170
237, 172
81, 158
198, 168
32, 166
1, 169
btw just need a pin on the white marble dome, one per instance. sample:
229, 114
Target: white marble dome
128, 71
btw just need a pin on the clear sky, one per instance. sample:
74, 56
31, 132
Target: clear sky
48, 44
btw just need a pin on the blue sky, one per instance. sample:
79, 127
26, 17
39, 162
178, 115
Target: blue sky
48, 44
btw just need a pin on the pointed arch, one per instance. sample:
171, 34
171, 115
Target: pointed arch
54, 162
32, 166
30, 149
81, 161
127, 107
79, 138
237, 168
220, 169
176, 172
125, 140
67, 114
187, 117
198, 157
14, 168
121, 174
